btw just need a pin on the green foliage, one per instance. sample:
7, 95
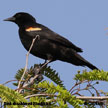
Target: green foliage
53, 75
42, 102
92, 75
48, 101
46, 71
47, 95
63, 95
18, 76
9, 95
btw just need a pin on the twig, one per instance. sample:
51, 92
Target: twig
76, 84
8, 82
92, 98
42, 94
95, 90
25, 69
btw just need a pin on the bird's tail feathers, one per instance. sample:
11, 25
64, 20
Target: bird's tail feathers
91, 66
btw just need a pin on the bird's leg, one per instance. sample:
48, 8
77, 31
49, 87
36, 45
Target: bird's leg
37, 70
49, 59
45, 63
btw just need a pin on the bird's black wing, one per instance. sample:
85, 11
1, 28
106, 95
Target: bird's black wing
54, 37
63, 41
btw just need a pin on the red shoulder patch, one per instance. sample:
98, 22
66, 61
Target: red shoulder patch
33, 29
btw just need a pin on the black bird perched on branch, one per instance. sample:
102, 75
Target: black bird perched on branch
50, 45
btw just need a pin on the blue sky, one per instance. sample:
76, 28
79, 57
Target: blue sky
83, 22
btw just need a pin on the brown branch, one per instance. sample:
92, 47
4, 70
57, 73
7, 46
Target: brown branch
32, 80
38, 70
76, 84
42, 94
97, 100
95, 90
8, 82
25, 69
92, 98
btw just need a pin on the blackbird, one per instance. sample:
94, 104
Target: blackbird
49, 45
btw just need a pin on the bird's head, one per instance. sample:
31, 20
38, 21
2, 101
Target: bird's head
21, 18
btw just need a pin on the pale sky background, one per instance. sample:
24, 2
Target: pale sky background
83, 22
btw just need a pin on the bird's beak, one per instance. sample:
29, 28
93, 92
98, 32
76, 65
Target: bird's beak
12, 19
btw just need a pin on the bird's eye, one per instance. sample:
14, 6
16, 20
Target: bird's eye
17, 15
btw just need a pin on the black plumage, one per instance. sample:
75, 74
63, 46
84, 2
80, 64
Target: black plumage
50, 45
